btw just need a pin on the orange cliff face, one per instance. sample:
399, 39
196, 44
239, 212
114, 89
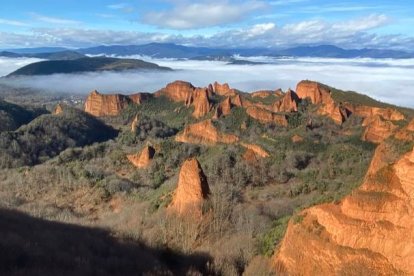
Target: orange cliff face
262, 94
265, 116
204, 133
58, 109
201, 103
406, 133
371, 232
134, 124
99, 104
223, 109
368, 111
142, 159
223, 89
377, 129
181, 91
192, 189
178, 91
317, 93
289, 103
253, 152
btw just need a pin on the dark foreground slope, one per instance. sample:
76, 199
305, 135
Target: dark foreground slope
32, 246
81, 65
48, 135
12, 116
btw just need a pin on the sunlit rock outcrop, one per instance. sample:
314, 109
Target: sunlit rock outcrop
223, 109
143, 158
265, 116
204, 133
370, 232
288, 103
192, 189
99, 104
377, 129
223, 89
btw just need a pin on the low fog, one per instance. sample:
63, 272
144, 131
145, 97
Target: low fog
387, 80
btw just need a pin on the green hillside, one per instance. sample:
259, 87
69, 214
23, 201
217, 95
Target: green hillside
87, 64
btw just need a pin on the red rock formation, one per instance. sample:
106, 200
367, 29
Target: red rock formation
377, 129
369, 111
369, 233
134, 124
289, 103
335, 111
181, 91
296, 138
204, 133
99, 104
58, 109
239, 101
223, 89
142, 159
192, 189
265, 116
139, 98
223, 109
178, 91
105, 105
406, 133
257, 150
279, 92
262, 94
201, 103
317, 93
253, 152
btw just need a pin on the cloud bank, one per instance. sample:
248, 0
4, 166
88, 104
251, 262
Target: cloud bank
386, 79
352, 33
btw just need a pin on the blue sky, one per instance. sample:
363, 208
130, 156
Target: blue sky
225, 23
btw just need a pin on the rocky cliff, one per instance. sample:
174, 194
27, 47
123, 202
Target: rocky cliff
369, 111
223, 109
99, 104
253, 152
177, 91
201, 103
58, 109
377, 129
143, 158
223, 89
204, 133
192, 189
181, 91
314, 91
369, 233
262, 94
266, 117
289, 103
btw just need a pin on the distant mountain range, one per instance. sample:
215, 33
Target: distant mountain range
86, 64
62, 55
169, 50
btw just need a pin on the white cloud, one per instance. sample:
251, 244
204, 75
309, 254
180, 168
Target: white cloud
124, 7
375, 78
53, 20
12, 23
355, 33
201, 15
8, 65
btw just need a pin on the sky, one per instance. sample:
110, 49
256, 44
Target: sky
215, 23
